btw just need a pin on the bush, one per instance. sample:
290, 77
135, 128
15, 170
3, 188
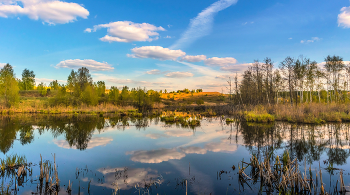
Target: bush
200, 102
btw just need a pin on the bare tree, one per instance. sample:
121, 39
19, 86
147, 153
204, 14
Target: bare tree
267, 68
334, 65
287, 68
229, 82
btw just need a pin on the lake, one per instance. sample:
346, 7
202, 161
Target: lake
116, 155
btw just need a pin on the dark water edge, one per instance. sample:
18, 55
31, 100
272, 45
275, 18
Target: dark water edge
122, 155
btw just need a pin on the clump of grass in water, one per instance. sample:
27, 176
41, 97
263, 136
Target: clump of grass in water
258, 118
208, 113
12, 161
185, 119
229, 120
13, 166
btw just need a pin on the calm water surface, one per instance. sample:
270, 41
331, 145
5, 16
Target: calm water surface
147, 156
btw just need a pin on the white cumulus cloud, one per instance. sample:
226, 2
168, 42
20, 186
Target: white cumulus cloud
215, 61
88, 30
90, 64
196, 58
156, 52
179, 74
126, 31
201, 25
49, 11
344, 17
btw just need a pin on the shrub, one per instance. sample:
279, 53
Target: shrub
200, 102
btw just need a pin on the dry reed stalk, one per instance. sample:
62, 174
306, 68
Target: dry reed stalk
322, 188
41, 167
342, 186
20, 171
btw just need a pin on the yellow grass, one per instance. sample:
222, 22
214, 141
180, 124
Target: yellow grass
41, 106
313, 113
177, 96
206, 98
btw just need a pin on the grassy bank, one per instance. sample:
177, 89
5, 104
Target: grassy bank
41, 105
315, 113
200, 98
33, 102
310, 113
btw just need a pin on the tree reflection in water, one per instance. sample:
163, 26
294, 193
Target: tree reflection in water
303, 141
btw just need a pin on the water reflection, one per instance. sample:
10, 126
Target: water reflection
94, 142
155, 156
145, 151
303, 141
123, 178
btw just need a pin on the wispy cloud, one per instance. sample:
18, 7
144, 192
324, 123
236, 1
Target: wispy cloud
202, 70
215, 61
154, 72
245, 23
313, 39
201, 25
179, 74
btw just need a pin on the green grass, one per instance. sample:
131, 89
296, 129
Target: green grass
311, 119
229, 120
12, 161
258, 118
184, 121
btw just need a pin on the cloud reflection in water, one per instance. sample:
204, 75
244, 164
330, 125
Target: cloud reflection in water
94, 142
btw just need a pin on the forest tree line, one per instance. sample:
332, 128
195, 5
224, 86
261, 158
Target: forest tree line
294, 81
80, 89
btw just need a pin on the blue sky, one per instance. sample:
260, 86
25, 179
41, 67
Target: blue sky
167, 44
